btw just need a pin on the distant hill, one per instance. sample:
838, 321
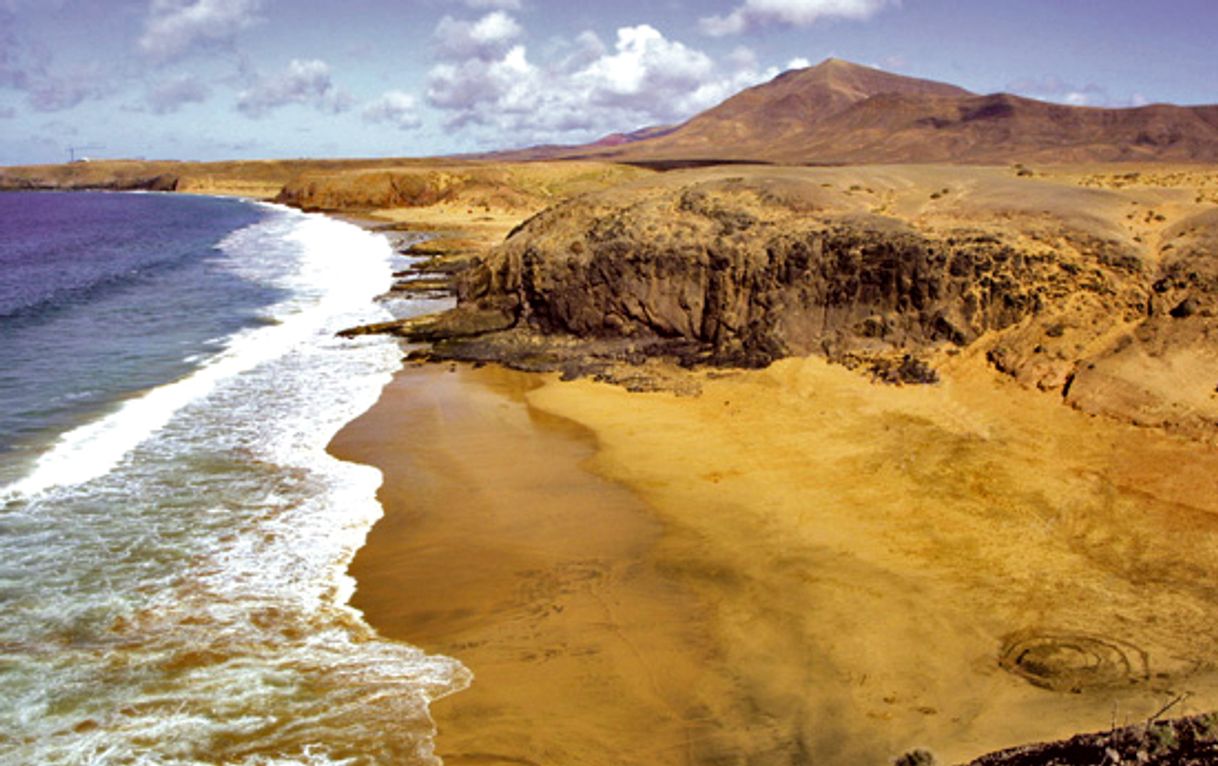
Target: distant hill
561, 151
838, 112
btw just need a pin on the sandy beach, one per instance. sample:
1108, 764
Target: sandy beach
498, 547
796, 565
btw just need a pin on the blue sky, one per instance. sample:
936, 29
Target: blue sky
216, 79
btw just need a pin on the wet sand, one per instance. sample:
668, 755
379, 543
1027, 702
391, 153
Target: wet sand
499, 549
806, 567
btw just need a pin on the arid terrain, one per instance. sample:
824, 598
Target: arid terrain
796, 462
1095, 287
988, 560
843, 113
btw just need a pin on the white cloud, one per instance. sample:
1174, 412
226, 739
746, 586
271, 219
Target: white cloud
585, 89
470, 87
168, 96
394, 108
644, 66
1053, 88
506, 5
303, 82
485, 38
753, 14
799, 62
174, 27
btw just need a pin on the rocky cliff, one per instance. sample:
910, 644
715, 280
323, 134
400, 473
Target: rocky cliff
898, 273
750, 279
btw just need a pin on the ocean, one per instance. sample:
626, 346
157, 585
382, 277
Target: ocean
174, 537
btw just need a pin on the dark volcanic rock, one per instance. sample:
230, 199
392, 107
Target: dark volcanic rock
1181, 742
740, 267
722, 271
423, 286
462, 322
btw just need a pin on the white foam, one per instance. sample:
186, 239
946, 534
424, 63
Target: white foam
335, 272
270, 400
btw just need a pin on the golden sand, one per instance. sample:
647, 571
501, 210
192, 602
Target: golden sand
498, 549
795, 566
806, 566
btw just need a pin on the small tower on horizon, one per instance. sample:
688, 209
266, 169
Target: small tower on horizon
73, 150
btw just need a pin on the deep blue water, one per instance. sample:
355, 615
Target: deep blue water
174, 537
103, 295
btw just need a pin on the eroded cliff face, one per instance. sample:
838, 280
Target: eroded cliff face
474, 186
740, 270
1163, 371
751, 278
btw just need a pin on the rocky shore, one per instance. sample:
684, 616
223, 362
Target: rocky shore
1097, 296
1188, 741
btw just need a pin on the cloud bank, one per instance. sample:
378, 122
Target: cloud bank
174, 28
168, 96
755, 14
487, 80
396, 108
305, 82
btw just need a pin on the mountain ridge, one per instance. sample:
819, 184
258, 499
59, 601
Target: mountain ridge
840, 112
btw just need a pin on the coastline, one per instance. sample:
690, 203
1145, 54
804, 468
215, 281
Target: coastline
733, 602
847, 620
223, 527
778, 588
499, 549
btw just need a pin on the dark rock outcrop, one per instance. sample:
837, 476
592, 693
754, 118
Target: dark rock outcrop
462, 323
740, 267
1191, 741
161, 182
833, 286
728, 273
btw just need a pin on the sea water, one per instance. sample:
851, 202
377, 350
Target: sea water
173, 536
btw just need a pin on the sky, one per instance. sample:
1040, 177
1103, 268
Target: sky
234, 79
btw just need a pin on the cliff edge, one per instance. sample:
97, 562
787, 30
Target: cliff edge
1106, 297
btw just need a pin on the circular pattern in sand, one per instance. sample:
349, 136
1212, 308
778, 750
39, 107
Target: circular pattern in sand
1073, 662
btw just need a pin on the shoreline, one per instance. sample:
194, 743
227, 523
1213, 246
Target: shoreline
949, 511
536, 646
896, 602
531, 571
737, 587
225, 527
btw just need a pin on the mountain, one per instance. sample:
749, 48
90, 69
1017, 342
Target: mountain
542, 152
838, 112
642, 134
